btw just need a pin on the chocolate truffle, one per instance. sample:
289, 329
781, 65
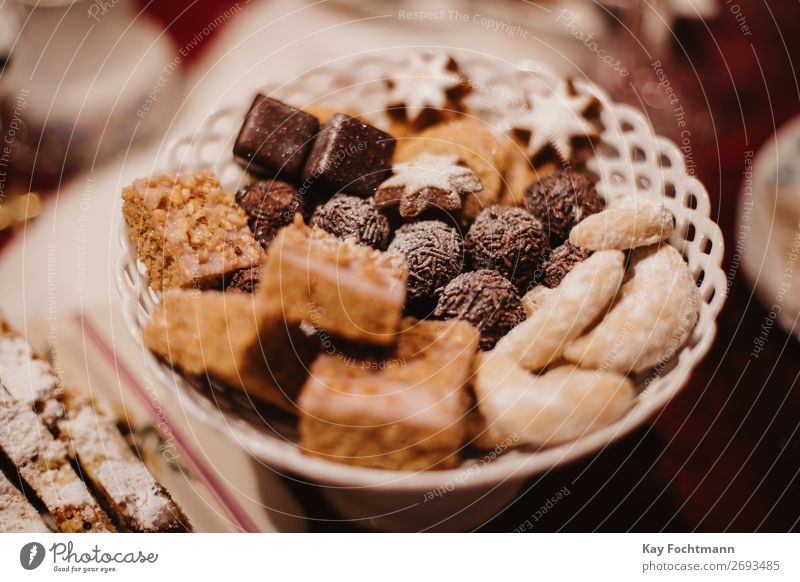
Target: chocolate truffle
274, 139
245, 280
561, 201
350, 156
560, 262
508, 240
434, 253
352, 217
487, 300
269, 205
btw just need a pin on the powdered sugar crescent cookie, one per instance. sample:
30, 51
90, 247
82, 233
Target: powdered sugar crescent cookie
555, 407
535, 297
651, 318
470, 141
628, 225
564, 314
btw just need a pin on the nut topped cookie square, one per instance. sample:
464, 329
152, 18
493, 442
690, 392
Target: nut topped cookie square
188, 230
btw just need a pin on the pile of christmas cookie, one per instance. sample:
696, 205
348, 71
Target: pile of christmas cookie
64, 463
409, 292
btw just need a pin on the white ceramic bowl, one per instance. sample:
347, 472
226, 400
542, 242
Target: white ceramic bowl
630, 157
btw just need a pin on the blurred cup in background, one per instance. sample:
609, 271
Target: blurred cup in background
83, 80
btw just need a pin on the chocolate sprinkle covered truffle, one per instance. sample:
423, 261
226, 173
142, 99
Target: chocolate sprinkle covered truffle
487, 300
561, 201
508, 240
434, 253
352, 217
270, 205
245, 280
560, 262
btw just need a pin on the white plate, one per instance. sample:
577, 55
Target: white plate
631, 159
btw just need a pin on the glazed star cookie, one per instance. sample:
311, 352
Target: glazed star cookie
629, 224
472, 142
420, 91
554, 120
428, 181
651, 318
563, 315
557, 406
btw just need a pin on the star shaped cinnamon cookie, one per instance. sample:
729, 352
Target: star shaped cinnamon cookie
428, 181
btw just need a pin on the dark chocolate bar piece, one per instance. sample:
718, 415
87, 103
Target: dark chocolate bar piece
274, 139
348, 156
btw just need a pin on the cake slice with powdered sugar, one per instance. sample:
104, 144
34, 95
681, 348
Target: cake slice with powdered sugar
28, 378
43, 463
45, 430
17, 515
138, 502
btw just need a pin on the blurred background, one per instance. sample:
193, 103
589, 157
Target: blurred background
92, 91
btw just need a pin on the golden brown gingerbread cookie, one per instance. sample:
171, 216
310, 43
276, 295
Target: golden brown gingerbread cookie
518, 172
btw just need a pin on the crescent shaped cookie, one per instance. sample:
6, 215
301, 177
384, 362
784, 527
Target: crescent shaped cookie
652, 317
628, 225
534, 298
564, 314
555, 407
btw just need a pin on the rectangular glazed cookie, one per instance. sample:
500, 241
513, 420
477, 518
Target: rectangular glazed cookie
17, 515
237, 338
349, 290
407, 412
137, 500
188, 230
43, 463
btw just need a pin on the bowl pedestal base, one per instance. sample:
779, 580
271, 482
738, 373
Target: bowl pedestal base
446, 511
